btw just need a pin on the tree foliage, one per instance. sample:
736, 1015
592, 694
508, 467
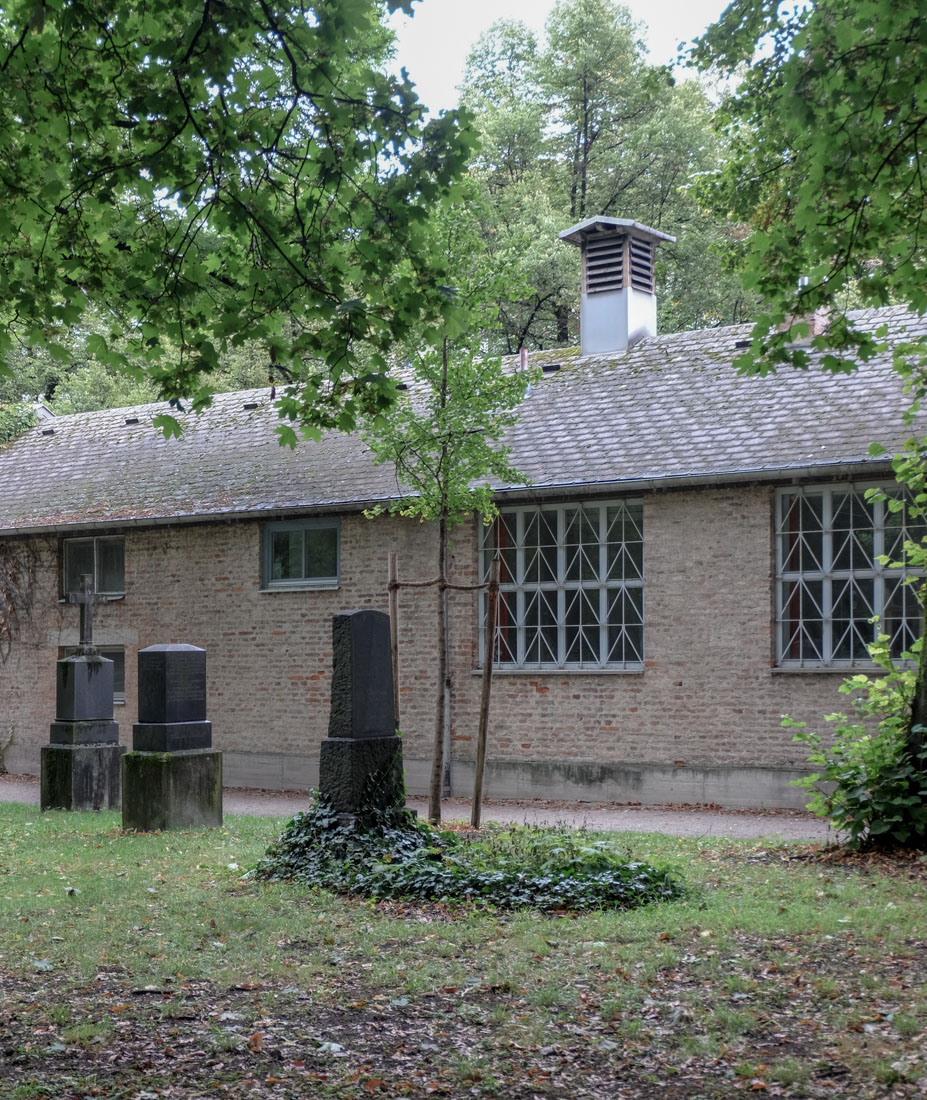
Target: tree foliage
15, 419
444, 437
581, 125
217, 173
826, 138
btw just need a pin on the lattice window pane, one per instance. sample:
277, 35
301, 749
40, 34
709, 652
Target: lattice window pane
506, 627
626, 626
901, 615
581, 538
900, 526
853, 532
802, 620
838, 555
625, 545
571, 593
541, 645
540, 548
803, 533
853, 608
581, 632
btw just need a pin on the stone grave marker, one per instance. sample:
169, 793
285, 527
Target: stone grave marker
172, 779
360, 765
80, 766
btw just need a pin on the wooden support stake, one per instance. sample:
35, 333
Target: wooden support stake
492, 604
394, 630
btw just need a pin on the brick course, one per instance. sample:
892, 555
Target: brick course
708, 698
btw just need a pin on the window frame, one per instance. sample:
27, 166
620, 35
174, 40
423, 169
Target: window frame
96, 540
521, 591
297, 584
835, 580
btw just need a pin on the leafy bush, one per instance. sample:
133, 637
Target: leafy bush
390, 854
870, 784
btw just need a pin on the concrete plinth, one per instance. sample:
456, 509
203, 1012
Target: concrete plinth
98, 731
361, 773
171, 790
81, 777
171, 736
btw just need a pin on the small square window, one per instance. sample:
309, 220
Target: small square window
301, 554
102, 558
116, 654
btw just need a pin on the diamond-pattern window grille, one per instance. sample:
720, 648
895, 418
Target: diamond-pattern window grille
571, 588
830, 583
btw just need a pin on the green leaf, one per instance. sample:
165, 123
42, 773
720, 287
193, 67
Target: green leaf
168, 425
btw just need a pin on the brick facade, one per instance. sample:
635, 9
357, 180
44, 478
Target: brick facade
700, 723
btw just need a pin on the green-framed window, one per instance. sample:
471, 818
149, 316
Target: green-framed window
302, 553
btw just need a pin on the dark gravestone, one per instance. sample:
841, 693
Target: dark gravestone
172, 779
171, 700
81, 765
360, 764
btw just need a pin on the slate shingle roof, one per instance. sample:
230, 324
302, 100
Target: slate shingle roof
669, 410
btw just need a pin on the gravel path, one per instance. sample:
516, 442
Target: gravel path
673, 820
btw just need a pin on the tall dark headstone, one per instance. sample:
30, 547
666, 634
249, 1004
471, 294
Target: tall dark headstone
81, 765
360, 766
172, 779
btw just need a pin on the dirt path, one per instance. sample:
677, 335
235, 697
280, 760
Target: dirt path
673, 820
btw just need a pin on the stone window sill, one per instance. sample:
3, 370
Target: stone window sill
328, 586
100, 597
561, 672
823, 670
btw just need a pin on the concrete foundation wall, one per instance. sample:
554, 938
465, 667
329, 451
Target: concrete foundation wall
701, 723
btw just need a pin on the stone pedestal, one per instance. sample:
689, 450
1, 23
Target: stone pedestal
81, 777
360, 763
81, 767
173, 778
171, 790
363, 773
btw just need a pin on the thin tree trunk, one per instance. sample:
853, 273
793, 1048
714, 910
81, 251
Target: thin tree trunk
437, 762
916, 737
492, 603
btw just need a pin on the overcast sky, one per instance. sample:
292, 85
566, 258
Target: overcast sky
434, 43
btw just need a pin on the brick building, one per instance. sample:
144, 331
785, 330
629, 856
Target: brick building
691, 556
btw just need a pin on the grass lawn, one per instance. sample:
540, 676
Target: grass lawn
141, 966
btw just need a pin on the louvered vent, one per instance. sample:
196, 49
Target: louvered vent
641, 264
604, 263
618, 304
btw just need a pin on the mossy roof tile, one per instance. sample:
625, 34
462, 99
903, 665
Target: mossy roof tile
669, 410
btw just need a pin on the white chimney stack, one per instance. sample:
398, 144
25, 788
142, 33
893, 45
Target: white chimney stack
618, 305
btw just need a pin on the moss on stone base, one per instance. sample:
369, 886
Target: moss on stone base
81, 777
171, 790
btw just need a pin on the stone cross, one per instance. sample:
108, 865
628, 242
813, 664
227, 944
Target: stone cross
86, 598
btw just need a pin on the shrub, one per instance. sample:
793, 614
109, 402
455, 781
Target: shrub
390, 854
869, 783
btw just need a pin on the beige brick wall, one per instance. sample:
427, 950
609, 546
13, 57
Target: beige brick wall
708, 698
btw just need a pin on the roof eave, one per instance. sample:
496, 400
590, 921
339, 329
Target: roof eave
650, 483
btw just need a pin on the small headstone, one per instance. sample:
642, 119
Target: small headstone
360, 764
172, 779
171, 700
81, 765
